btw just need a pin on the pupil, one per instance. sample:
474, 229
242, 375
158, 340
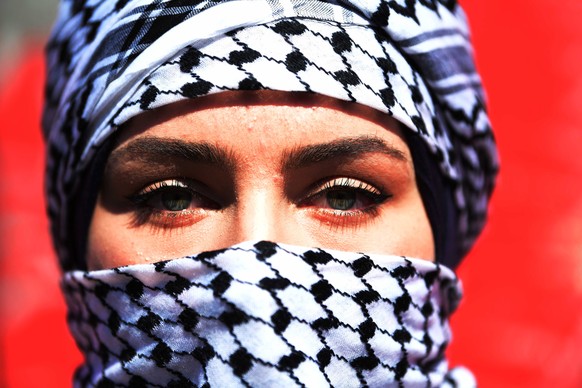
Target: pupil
176, 201
341, 199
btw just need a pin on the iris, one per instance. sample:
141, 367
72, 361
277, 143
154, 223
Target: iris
176, 200
341, 199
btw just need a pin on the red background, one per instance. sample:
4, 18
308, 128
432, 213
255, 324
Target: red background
520, 324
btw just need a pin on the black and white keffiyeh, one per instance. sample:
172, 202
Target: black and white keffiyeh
266, 315
110, 60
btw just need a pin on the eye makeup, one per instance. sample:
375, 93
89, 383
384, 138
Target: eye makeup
171, 203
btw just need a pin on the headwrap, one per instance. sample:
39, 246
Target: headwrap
266, 315
412, 59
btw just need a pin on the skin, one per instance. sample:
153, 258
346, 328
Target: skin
287, 167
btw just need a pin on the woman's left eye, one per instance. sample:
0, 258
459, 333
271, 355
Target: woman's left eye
341, 199
345, 194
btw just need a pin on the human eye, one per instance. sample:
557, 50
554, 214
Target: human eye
171, 203
345, 197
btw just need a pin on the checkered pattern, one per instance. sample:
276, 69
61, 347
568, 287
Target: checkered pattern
111, 60
265, 315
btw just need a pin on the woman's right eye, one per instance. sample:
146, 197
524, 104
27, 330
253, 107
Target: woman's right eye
171, 199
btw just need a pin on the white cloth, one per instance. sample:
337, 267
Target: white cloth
266, 315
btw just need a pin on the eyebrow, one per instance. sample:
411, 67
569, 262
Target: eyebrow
146, 148
341, 148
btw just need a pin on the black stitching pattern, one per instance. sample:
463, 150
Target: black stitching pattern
342, 325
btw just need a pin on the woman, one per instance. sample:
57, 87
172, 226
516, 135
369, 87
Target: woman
264, 143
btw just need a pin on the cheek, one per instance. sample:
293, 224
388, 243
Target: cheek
401, 229
408, 230
112, 242
415, 234
411, 230
108, 242
402, 235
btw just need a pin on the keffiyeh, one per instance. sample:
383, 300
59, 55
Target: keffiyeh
266, 315
110, 60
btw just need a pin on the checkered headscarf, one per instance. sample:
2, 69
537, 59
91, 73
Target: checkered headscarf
110, 60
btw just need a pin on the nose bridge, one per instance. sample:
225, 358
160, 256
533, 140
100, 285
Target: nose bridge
258, 215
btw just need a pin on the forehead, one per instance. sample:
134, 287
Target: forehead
270, 120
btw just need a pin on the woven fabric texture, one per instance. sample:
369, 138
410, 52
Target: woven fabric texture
265, 315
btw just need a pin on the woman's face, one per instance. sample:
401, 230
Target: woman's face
292, 168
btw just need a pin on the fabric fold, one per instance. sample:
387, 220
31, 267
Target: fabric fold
263, 314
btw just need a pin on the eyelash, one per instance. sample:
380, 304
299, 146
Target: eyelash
348, 183
146, 213
375, 195
168, 219
142, 195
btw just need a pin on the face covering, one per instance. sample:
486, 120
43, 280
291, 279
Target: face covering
266, 315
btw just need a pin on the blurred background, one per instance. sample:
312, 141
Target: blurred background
520, 324
22, 23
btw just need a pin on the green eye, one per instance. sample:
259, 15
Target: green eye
176, 200
341, 199
172, 196
345, 195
